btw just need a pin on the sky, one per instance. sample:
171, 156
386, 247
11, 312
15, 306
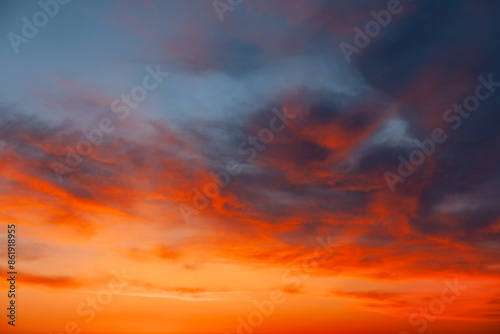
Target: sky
250, 166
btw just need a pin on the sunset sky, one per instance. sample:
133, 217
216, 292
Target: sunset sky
256, 166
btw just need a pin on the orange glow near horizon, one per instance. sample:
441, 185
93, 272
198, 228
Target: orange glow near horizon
274, 168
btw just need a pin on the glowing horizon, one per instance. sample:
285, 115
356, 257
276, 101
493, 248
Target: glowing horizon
251, 166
